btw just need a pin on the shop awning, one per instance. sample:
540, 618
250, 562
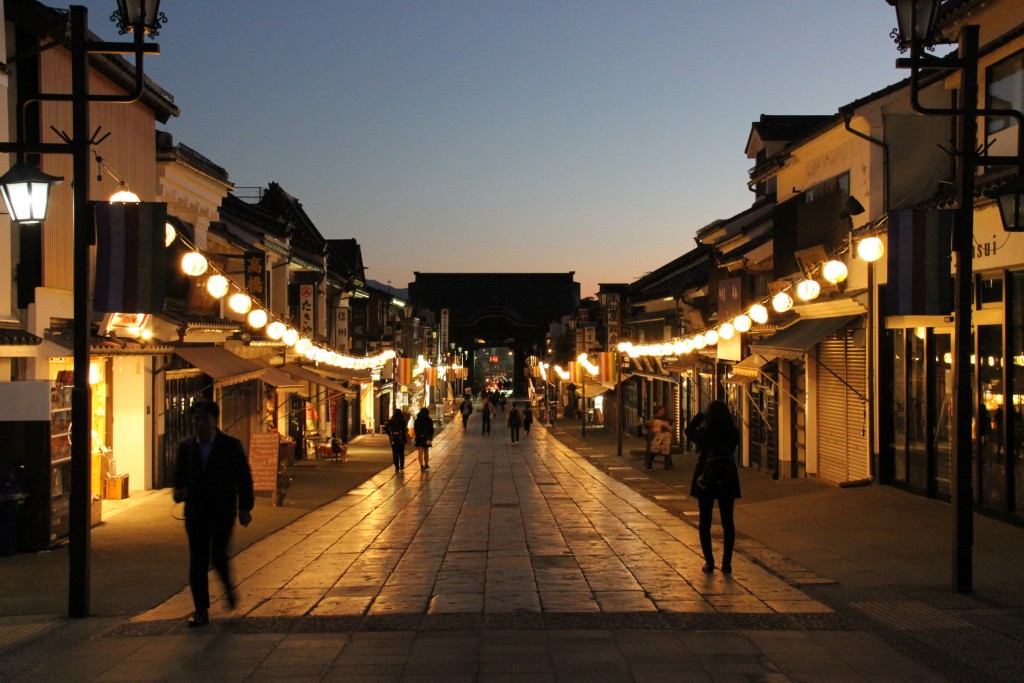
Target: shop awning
274, 376
341, 374
299, 372
223, 367
747, 370
796, 340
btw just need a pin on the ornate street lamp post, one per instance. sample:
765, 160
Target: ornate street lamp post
140, 17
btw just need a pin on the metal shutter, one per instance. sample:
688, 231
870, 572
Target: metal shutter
842, 426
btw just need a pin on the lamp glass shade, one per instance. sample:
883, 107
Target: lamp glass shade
1010, 198
915, 19
131, 13
870, 249
26, 192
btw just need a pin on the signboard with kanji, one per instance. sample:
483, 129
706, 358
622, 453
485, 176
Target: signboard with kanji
306, 293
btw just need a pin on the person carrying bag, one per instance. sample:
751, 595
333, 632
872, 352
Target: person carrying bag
716, 477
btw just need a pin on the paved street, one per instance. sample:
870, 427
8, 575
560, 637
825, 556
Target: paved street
552, 559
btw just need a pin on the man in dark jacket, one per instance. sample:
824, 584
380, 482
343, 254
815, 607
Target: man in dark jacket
212, 477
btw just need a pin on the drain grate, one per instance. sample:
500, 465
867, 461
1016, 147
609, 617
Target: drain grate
908, 615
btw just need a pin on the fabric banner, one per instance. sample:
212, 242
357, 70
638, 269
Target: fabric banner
403, 371
131, 257
920, 262
430, 375
574, 371
608, 363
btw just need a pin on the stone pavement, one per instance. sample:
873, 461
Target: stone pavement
553, 559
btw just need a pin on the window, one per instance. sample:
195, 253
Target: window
1005, 91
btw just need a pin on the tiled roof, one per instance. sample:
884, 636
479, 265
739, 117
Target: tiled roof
15, 336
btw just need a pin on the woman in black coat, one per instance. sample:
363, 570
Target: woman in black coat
398, 436
715, 478
423, 433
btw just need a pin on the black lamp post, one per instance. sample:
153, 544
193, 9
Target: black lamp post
917, 31
140, 17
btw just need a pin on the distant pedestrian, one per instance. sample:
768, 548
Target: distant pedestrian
423, 430
515, 421
715, 478
502, 402
486, 413
465, 410
213, 479
527, 419
398, 435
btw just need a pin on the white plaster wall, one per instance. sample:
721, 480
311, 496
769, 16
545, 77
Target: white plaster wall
132, 386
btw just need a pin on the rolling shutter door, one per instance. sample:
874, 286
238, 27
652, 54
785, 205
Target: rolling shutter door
842, 428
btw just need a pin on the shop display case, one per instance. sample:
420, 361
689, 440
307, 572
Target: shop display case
35, 426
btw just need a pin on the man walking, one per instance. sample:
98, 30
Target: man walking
465, 410
212, 477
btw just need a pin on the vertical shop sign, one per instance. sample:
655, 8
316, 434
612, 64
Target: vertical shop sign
613, 323
341, 317
255, 276
444, 332
306, 309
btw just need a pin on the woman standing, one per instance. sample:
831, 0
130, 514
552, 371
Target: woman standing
398, 435
527, 419
715, 478
423, 430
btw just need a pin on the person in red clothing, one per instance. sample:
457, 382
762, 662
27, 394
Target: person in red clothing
213, 479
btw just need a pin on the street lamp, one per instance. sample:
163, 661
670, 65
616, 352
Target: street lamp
140, 17
917, 31
26, 192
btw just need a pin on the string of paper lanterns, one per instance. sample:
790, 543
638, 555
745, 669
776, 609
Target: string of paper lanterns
834, 271
195, 264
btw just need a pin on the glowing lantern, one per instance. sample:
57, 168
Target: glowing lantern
834, 271
257, 318
742, 323
194, 263
217, 286
759, 314
276, 330
870, 249
240, 303
808, 289
290, 336
782, 302
726, 331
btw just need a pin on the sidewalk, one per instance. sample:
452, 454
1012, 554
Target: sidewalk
551, 559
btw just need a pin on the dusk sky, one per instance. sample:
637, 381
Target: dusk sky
507, 136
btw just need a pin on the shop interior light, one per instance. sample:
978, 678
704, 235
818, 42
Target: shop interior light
870, 249
782, 302
194, 263
217, 286
758, 313
808, 289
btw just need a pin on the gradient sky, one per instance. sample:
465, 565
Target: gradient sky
507, 136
